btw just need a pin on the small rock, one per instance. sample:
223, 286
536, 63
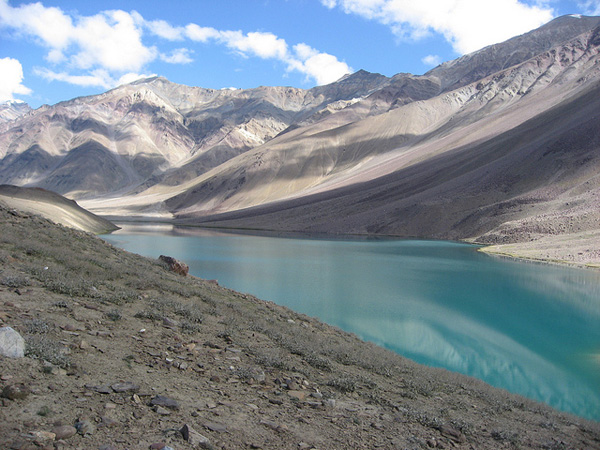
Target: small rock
103, 389
157, 446
300, 395
166, 402
217, 427
127, 386
273, 425
42, 436
15, 392
162, 411
108, 422
193, 437
452, 434
85, 427
169, 323
64, 431
12, 345
107, 447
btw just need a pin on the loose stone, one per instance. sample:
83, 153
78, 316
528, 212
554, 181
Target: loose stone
300, 395
166, 402
162, 411
85, 427
127, 386
103, 389
193, 437
217, 427
15, 392
64, 431
12, 345
42, 436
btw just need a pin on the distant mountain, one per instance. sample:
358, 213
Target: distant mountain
12, 110
154, 131
499, 146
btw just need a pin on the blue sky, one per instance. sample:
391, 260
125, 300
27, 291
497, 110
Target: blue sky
55, 50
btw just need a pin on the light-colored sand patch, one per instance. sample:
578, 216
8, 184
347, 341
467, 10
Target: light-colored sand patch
579, 249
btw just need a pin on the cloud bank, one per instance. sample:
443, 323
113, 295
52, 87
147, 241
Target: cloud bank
106, 48
11, 78
467, 25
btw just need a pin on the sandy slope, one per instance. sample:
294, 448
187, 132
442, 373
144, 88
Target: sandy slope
54, 207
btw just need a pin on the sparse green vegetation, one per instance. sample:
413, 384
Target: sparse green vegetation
44, 411
46, 348
113, 314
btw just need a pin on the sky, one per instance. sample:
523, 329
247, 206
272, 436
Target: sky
55, 50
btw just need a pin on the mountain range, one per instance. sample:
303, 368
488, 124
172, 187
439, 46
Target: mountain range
500, 146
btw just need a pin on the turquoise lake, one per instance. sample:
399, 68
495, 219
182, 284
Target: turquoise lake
532, 329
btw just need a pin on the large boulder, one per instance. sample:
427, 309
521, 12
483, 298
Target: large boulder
12, 344
175, 265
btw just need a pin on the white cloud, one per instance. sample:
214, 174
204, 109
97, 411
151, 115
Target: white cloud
263, 45
98, 50
97, 78
590, 7
131, 77
111, 40
165, 30
467, 25
178, 56
201, 34
11, 78
329, 3
108, 41
50, 26
431, 60
322, 67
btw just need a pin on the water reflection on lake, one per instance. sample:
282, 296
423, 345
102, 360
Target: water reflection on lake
529, 328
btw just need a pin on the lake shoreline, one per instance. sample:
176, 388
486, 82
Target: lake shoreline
514, 251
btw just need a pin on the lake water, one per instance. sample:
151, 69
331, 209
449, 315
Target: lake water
530, 328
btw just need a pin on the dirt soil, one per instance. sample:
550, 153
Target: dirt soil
122, 353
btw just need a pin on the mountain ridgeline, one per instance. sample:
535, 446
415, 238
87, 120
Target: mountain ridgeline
499, 146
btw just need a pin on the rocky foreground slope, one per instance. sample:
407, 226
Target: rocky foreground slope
121, 353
